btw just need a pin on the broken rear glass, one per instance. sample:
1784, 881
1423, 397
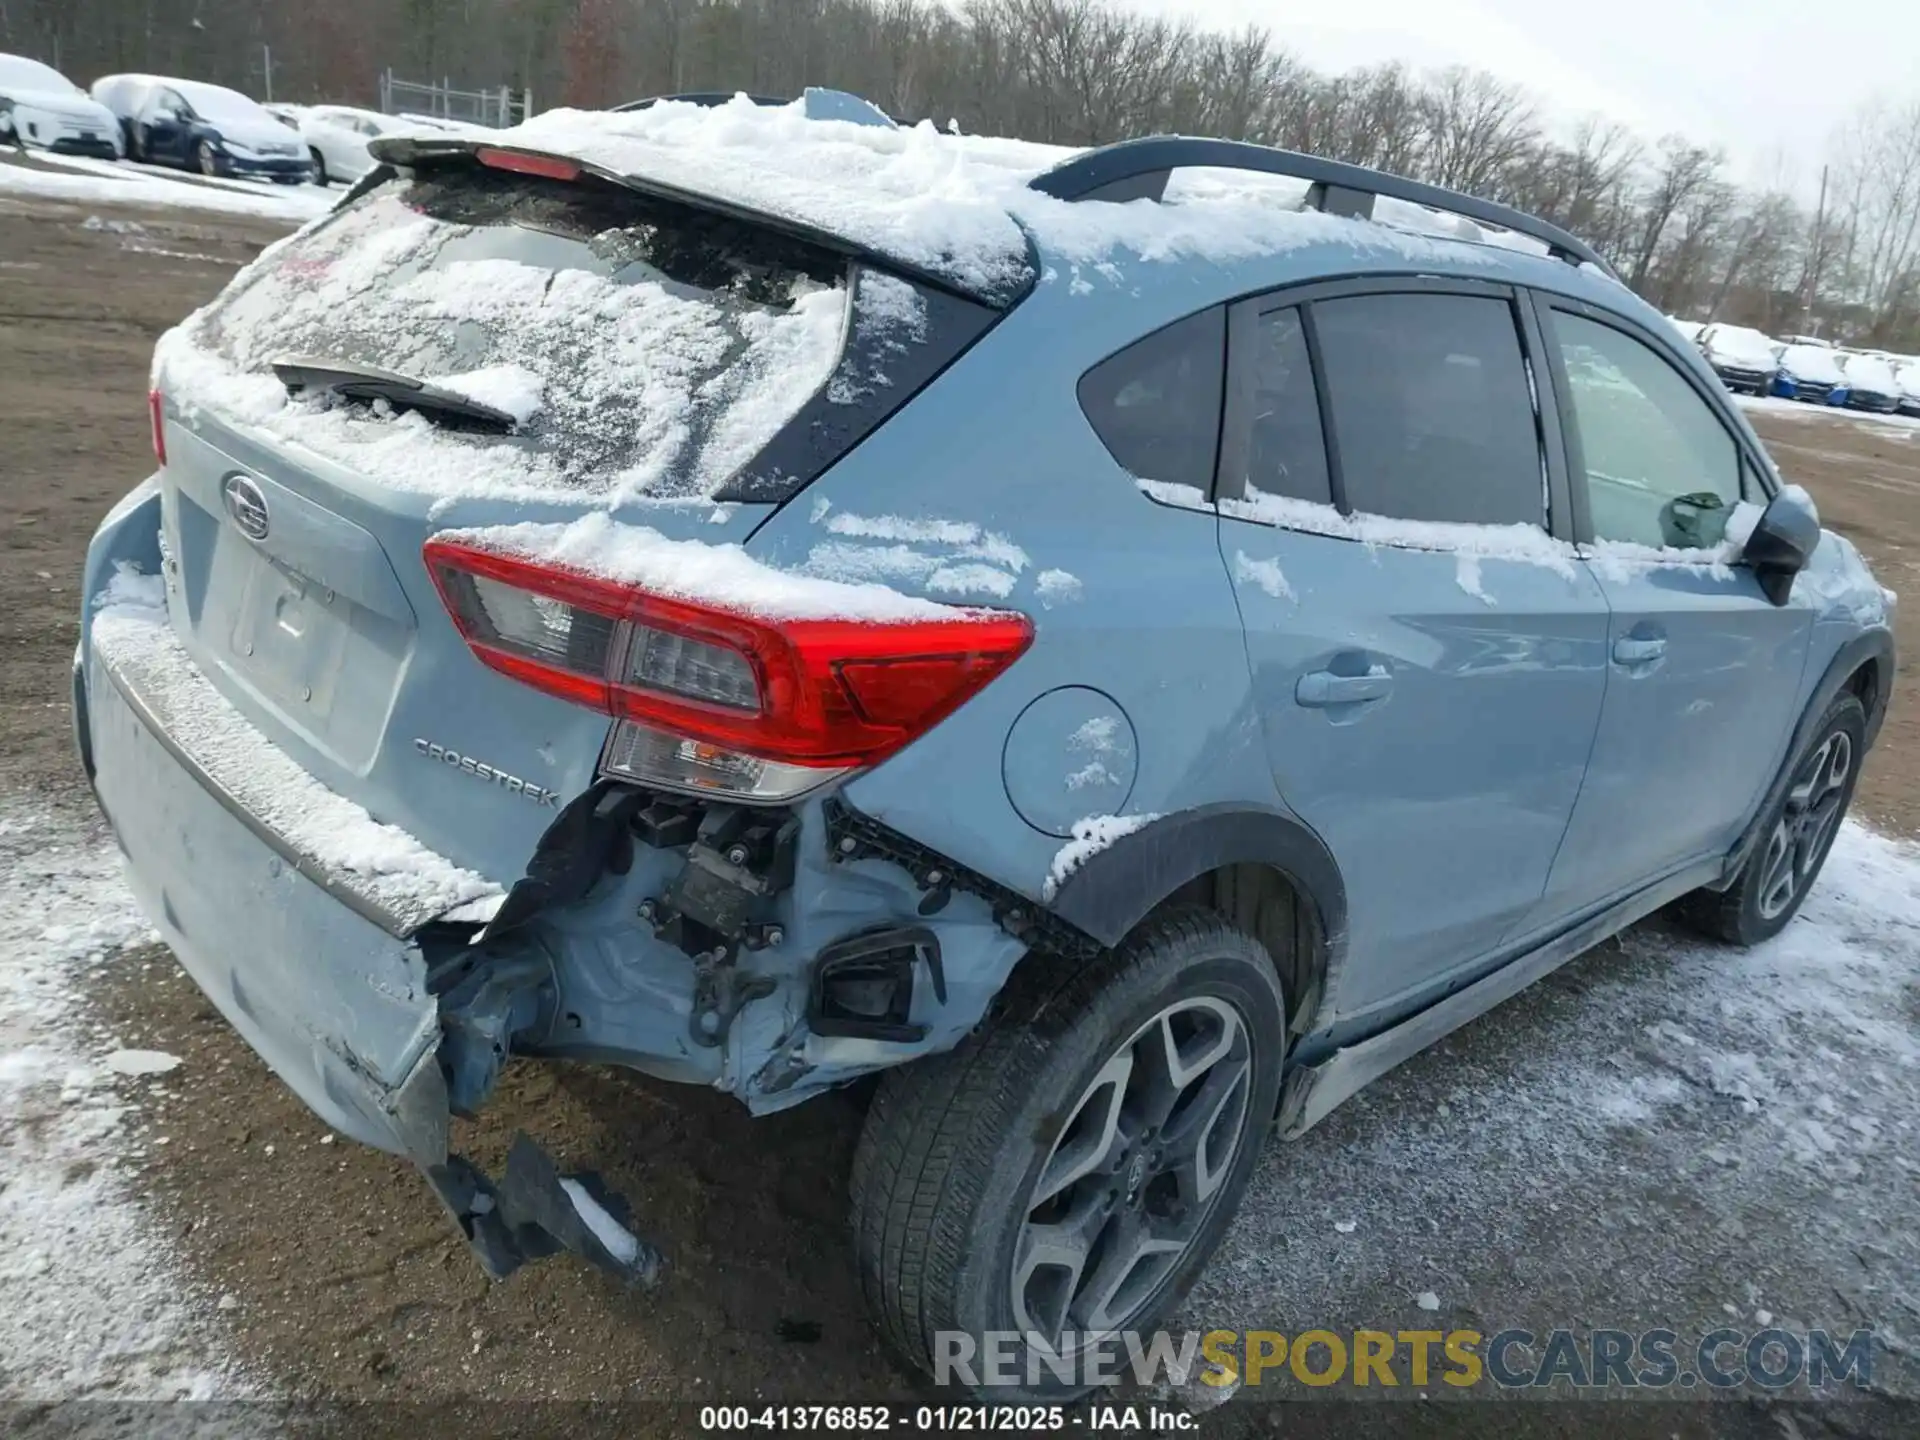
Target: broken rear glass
642, 347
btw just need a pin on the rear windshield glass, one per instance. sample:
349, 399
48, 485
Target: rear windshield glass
642, 347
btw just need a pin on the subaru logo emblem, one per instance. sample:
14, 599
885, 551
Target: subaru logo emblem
246, 504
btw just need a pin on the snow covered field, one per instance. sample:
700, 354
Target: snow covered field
91, 1303
1906, 426
119, 182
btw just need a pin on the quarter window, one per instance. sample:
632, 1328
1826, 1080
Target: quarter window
1661, 469
1156, 404
1432, 410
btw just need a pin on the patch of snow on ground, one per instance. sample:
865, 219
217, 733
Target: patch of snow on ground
1661, 1117
1906, 425
95, 1306
111, 182
141, 1062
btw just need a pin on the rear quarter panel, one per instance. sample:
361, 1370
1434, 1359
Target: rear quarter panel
1127, 596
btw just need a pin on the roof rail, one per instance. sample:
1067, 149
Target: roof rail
1139, 170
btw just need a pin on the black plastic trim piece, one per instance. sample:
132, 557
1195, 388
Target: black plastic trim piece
1335, 186
881, 368
1115, 889
853, 836
1312, 1091
892, 951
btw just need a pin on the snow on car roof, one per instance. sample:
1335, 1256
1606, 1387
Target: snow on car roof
954, 206
19, 73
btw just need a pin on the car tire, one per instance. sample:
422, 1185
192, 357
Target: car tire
209, 162
1796, 834
319, 167
947, 1187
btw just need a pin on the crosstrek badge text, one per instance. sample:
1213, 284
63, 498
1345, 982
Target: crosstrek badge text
467, 765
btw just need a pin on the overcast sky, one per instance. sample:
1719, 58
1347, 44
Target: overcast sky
1767, 79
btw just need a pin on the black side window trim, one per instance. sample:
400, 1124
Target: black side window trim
1545, 304
1229, 481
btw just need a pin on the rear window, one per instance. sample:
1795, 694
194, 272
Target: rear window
643, 347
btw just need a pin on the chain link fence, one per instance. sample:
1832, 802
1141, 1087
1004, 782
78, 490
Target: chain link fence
498, 107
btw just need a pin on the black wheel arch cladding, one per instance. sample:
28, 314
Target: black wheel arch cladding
1120, 886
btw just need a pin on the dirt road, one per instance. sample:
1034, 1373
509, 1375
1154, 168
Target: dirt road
1491, 1172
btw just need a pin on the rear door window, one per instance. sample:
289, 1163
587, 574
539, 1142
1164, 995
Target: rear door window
1432, 408
642, 346
1286, 449
1156, 404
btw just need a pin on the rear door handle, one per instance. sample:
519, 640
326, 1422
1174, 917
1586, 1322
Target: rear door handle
1632, 650
1323, 688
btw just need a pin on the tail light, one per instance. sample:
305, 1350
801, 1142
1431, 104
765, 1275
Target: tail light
709, 699
156, 418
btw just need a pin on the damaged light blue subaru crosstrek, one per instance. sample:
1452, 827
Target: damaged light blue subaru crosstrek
1130, 644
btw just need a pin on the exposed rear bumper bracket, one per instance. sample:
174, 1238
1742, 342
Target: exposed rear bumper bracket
534, 1211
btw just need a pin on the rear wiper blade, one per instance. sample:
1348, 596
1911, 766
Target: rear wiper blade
351, 381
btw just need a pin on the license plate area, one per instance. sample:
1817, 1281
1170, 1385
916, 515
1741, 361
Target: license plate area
297, 643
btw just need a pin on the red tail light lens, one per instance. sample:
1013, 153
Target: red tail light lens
715, 699
156, 419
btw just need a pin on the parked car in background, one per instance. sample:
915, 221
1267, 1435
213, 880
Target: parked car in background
1907, 376
1814, 340
336, 137
40, 109
1689, 329
204, 127
1870, 383
1742, 358
1809, 372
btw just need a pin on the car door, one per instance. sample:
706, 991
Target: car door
166, 126
336, 136
1703, 669
1427, 655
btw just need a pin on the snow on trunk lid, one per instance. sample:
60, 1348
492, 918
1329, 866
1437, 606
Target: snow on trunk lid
643, 348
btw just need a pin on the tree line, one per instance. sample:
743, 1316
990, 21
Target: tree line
1081, 72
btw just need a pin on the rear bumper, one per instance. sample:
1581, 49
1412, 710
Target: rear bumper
334, 1002
287, 169
101, 149
1736, 378
1871, 400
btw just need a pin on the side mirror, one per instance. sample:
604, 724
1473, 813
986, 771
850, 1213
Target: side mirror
1782, 542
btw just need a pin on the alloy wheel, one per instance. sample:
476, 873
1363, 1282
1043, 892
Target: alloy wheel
1132, 1175
1799, 839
